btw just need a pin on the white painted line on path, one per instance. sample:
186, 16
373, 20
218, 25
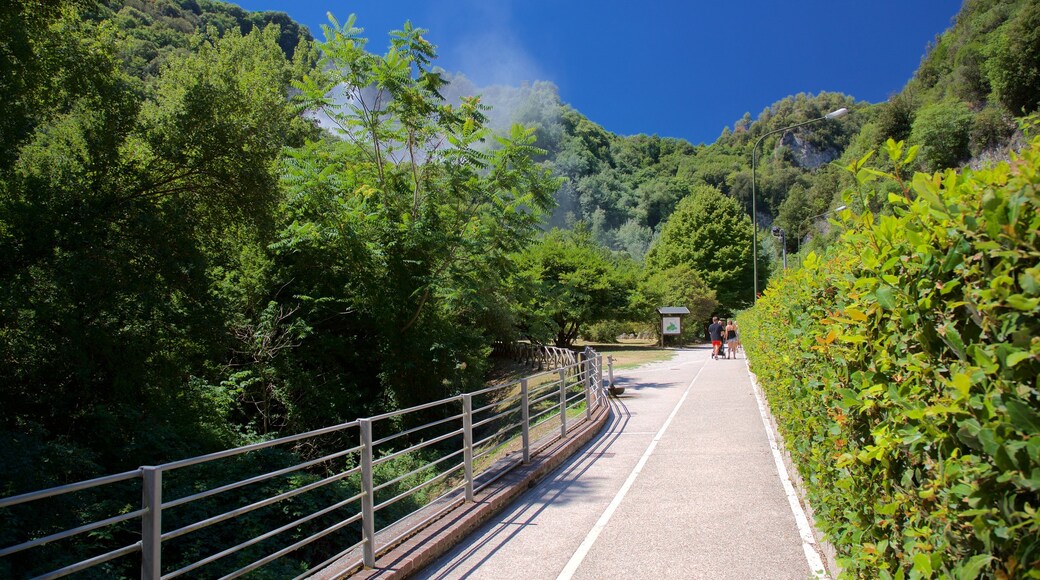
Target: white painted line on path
804, 529
590, 539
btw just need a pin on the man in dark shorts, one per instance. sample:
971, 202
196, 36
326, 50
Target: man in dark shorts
715, 333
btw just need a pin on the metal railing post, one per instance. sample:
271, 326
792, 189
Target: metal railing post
525, 414
151, 523
563, 403
587, 369
599, 376
368, 500
467, 442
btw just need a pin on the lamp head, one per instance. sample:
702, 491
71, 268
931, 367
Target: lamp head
835, 114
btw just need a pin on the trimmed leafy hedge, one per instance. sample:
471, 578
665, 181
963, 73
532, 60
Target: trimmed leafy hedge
902, 368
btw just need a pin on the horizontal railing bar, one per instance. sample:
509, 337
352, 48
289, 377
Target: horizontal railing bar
257, 479
484, 453
553, 409
494, 405
577, 395
69, 533
497, 476
443, 475
255, 506
414, 429
424, 406
487, 390
502, 415
555, 393
547, 385
416, 447
503, 402
555, 372
327, 563
292, 548
255, 446
419, 524
58, 490
268, 535
498, 433
386, 484
125, 550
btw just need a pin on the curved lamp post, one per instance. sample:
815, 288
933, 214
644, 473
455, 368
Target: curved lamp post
828, 212
754, 209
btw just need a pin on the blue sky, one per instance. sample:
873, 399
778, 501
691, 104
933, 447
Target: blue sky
671, 68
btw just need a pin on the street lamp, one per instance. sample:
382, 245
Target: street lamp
806, 220
754, 208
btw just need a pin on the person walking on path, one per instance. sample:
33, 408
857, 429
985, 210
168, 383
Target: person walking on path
715, 333
731, 339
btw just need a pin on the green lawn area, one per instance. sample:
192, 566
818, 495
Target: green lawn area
630, 353
627, 354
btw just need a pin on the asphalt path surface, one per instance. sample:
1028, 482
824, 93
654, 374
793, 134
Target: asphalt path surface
681, 483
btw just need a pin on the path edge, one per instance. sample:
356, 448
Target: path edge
824, 548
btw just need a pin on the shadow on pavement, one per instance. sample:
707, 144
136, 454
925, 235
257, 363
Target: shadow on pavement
554, 489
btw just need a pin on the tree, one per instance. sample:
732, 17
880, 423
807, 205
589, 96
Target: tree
1013, 69
943, 130
676, 286
712, 236
119, 216
566, 281
395, 235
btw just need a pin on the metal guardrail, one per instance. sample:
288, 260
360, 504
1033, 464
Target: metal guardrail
441, 458
540, 356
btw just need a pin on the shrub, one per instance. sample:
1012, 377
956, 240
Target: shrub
606, 331
943, 131
902, 368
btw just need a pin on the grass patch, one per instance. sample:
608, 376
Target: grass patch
630, 353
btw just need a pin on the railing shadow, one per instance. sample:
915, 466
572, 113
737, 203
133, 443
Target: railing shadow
558, 488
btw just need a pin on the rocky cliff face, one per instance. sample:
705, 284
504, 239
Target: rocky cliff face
805, 155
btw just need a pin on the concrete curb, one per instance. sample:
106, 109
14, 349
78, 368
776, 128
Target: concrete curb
439, 537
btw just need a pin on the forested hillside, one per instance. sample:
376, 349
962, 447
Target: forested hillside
960, 108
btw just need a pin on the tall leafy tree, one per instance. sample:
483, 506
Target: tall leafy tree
397, 227
117, 216
710, 234
567, 281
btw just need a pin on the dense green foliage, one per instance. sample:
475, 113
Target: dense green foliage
566, 282
902, 368
191, 264
677, 285
709, 234
118, 215
152, 31
395, 238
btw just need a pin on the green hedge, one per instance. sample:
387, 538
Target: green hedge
902, 369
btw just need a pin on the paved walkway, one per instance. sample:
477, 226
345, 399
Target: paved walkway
682, 483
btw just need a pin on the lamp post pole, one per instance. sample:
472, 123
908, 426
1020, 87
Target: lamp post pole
754, 208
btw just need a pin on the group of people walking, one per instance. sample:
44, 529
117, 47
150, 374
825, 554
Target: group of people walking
719, 333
